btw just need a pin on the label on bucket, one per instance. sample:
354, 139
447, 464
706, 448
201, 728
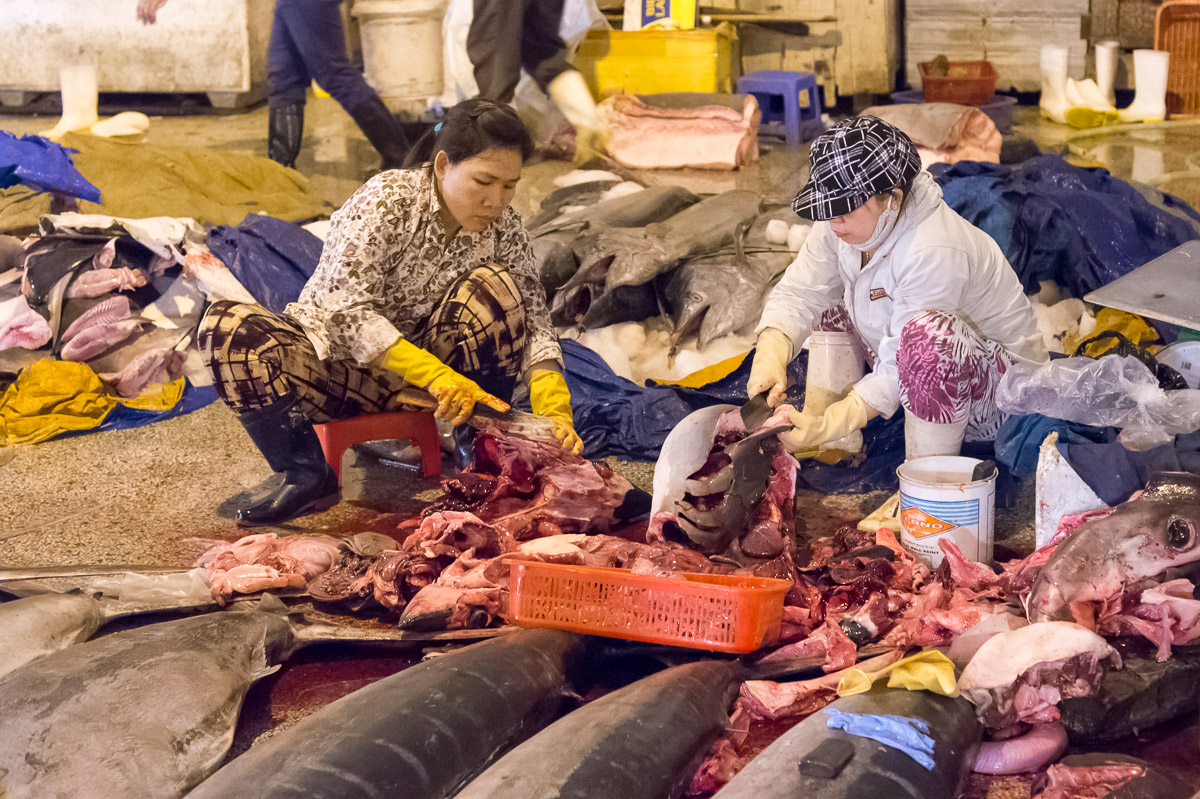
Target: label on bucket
926, 521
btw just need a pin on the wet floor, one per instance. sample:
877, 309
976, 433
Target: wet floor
147, 495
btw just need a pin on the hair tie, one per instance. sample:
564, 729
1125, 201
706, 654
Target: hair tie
437, 127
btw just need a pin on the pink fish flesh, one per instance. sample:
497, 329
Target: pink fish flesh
107, 255
21, 326
115, 309
146, 369
101, 281
1091, 570
98, 339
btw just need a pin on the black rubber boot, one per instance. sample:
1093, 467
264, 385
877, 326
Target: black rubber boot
291, 447
383, 131
285, 132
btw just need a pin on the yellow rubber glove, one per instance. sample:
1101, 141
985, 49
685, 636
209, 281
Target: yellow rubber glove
456, 395
925, 671
840, 419
550, 397
768, 372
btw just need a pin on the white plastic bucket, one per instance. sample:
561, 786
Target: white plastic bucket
835, 364
402, 47
939, 500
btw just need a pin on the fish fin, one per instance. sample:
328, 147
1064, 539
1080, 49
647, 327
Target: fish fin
273, 604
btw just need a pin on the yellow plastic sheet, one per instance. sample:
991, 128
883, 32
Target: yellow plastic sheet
709, 374
51, 397
925, 671
1132, 326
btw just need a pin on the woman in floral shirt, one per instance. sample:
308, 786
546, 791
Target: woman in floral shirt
426, 279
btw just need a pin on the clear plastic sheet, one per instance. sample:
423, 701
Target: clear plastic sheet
1116, 390
133, 587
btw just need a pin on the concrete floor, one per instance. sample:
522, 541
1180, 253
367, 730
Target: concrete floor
140, 496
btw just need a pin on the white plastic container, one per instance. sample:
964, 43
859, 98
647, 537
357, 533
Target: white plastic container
402, 47
939, 500
835, 364
1183, 357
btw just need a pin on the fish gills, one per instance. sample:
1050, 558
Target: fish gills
640, 742
420, 733
147, 712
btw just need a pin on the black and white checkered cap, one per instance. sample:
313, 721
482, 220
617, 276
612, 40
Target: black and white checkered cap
852, 162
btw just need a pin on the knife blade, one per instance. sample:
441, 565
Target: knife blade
755, 412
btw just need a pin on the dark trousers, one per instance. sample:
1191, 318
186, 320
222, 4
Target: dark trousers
308, 43
507, 35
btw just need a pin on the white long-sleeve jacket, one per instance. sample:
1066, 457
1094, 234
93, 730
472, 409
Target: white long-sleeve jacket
933, 260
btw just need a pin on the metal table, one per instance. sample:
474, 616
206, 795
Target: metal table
1167, 288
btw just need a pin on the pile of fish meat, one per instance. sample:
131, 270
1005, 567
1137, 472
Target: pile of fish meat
264, 561
100, 291
706, 137
1105, 578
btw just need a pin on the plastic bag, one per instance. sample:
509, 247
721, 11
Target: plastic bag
1116, 390
190, 585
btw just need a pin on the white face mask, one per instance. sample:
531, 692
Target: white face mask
883, 227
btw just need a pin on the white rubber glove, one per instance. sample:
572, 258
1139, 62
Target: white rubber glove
573, 97
768, 372
839, 420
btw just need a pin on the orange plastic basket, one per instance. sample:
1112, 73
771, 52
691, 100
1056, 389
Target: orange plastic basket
702, 611
1177, 31
968, 83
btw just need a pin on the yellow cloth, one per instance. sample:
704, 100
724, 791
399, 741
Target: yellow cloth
456, 395
550, 397
925, 671
51, 397
214, 187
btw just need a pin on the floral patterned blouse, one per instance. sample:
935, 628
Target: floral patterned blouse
385, 265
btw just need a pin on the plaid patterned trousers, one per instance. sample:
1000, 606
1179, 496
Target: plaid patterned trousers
258, 357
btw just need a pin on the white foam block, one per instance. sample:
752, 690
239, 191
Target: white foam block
795, 236
777, 231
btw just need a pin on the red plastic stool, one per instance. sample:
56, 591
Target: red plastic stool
415, 426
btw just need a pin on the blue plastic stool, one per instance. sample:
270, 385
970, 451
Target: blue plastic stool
778, 93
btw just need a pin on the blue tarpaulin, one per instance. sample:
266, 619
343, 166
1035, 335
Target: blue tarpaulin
1080, 227
43, 165
270, 257
1109, 469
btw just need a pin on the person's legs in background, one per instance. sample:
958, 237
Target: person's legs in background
495, 46
315, 31
288, 79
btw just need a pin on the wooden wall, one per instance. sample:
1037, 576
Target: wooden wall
859, 52
1009, 33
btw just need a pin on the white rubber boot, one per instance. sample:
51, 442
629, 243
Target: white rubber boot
835, 364
80, 97
1107, 55
1150, 76
922, 438
1088, 108
1055, 64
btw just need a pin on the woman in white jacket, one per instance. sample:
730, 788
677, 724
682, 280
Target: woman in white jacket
932, 298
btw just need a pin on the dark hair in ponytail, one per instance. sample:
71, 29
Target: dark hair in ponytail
470, 128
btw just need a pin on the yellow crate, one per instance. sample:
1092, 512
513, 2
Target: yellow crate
657, 61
